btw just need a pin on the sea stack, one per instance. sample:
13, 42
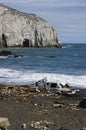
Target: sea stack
18, 29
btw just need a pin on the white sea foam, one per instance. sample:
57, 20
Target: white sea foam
67, 46
24, 77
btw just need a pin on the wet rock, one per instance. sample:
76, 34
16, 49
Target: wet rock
82, 103
5, 53
14, 56
9, 54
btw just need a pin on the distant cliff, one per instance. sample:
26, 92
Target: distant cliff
28, 30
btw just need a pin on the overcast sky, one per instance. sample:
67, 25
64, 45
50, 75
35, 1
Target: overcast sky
68, 17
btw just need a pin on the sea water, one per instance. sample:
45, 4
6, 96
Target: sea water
65, 65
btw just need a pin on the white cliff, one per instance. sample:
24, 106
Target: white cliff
28, 30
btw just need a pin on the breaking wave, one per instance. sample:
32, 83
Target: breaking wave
9, 76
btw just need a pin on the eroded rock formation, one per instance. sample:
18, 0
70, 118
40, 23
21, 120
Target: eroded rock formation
28, 30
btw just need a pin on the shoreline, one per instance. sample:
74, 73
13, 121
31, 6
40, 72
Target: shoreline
41, 111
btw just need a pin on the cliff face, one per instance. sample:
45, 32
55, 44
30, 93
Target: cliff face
28, 30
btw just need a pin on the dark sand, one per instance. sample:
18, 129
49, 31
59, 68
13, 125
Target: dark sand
43, 111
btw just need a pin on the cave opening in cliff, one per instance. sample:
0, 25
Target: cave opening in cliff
27, 43
4, 40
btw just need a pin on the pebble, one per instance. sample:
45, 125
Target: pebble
23, 125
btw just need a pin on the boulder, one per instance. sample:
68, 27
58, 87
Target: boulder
9, 54
20, 29
5, 53
4, 123
82, 103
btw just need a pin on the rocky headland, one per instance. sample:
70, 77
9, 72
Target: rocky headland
25, 30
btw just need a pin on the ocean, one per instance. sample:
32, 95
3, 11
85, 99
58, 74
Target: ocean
62, 65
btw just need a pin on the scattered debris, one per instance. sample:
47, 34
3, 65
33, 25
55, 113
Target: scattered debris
41, 82
41, 87
66, 90
55, 87
45, 111
23, 94
57, 104
73, 107
42, 125
10, 89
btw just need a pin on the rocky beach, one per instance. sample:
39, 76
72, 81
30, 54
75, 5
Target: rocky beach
32, 110
33, 51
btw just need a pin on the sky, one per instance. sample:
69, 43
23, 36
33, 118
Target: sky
68, 17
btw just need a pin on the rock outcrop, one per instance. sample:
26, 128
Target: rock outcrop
28, 30
82, 103
9, 54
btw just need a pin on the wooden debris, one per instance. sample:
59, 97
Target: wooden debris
42, 124
74, 107
58, 105
42, 112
